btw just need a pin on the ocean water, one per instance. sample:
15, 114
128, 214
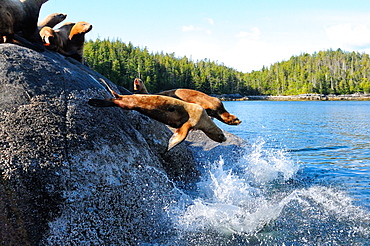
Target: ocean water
303, 180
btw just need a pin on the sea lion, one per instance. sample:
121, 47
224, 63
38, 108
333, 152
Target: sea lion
19, 17
139, 87
51, 39
170, 111
52, 20
72, 36
213, 106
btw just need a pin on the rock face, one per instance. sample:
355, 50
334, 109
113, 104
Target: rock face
72, 174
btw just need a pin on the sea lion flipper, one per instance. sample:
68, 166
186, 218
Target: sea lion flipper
115, 94
101, 103
179, 135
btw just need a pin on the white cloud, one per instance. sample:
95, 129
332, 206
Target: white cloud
348, 37
188, 28
249, 51
253, 34
210, 21
251, 54
192, 28
196, 48
244, 54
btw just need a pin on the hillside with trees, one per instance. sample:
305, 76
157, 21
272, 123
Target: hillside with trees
324, 72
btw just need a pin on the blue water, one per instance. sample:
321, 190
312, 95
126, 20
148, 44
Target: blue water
330, 140
303, 179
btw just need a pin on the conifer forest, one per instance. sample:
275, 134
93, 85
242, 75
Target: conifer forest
324, 72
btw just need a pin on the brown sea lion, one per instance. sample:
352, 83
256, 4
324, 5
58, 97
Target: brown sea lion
19, 17
139, 87
65, 29
76, 39
51, 39
170, 111
213, 106
52, 20
72, 36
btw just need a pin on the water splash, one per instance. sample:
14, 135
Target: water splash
258, 201
266, 165
228, 200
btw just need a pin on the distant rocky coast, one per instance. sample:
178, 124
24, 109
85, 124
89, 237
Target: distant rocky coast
302, 97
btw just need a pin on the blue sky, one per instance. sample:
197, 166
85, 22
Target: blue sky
242, 34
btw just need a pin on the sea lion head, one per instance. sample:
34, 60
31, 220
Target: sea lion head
60, 17
48, 37
230, 119
52, 20
207, 125
221, 114
139, 87
81, 27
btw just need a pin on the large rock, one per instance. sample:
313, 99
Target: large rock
77, 175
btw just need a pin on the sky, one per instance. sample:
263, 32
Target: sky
243, 34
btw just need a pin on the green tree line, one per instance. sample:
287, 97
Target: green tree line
324, 72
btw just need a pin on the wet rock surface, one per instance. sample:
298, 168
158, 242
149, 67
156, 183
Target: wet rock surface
72, 174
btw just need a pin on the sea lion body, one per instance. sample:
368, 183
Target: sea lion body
170, 111
52, 20
76, 39
213, 106
6, 24
72, 36
19, 16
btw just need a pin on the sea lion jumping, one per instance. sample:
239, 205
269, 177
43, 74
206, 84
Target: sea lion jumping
19, 16
170, 111
213, 106
52, 20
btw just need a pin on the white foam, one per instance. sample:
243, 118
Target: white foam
266, 165
229, 203
238, 200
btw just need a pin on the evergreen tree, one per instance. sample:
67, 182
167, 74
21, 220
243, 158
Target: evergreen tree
324, 72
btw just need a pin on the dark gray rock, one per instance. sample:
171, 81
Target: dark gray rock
77, 175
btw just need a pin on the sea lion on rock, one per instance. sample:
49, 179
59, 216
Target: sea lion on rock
72, 36
139, 87
20, 17
51, 39
213, 106
52, 20
170, 111
76, 39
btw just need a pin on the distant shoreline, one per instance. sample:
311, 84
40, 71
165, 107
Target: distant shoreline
302, 97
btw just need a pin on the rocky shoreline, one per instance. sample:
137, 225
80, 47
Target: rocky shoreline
302, 97
72, 174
